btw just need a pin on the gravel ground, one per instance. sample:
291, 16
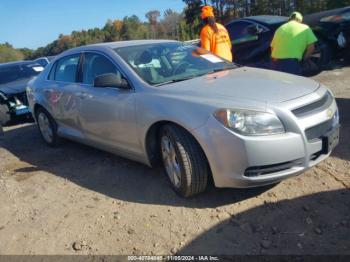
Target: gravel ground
79, 200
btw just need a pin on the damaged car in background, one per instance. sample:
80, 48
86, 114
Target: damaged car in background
14, 77
252, 37
333, 29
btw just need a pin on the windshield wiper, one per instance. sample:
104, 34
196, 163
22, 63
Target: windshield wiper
199, 75
176, 80
222, 69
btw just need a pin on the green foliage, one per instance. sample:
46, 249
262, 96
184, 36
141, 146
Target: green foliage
26, 52
8, 53
337, 3
192, 18
132, 28
228, 9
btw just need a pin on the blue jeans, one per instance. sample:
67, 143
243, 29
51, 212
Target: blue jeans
291, 66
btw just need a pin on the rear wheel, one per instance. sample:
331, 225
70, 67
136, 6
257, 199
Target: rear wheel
184, 161
47, 127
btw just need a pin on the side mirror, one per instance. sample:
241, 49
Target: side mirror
111, 80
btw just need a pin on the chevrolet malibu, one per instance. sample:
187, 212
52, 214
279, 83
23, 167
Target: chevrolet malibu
202, 117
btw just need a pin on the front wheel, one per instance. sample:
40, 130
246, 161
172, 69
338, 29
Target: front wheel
184, 161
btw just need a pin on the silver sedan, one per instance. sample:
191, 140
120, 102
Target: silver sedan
200, 116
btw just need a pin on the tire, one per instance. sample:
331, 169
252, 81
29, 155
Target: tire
184, 161
4, 114
47, 127
319, 60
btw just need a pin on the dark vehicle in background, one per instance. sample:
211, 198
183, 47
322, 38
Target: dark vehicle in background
333, 29
14, 77
251, 37
44, 61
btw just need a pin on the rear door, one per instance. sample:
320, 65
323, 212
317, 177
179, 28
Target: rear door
62, 94
107, 115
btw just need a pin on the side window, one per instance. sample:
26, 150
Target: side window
66, 69
238, 30
254, 29
96, 65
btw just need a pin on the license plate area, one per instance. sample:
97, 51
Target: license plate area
21, 110
330, 140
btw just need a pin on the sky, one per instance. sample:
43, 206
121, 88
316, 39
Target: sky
35, 23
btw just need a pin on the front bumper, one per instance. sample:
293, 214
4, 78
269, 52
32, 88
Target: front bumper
16, 104
20, 110
246, 161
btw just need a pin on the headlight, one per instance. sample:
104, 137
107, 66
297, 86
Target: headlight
341, 40
251, 123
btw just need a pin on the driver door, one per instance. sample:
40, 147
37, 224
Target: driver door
106, 114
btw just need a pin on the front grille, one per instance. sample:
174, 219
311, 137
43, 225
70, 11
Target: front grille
270, 169
316, 155
314, 107
320, 130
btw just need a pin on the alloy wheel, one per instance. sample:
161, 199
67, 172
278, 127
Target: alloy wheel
170, 160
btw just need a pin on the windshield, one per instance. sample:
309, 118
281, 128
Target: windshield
164, 63
13, 73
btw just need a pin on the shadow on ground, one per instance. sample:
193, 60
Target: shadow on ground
105, 173
338, 64
317, 224
335, 64
120, 178
342, 151
123, 179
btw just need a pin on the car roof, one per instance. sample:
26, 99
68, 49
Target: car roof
18, 63
110, 45
268, 19
119, 44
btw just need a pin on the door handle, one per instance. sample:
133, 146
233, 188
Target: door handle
82, 95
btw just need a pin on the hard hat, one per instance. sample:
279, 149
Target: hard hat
296, 15
207, 11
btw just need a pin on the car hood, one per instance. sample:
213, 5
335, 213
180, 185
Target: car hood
248, 84
14, 87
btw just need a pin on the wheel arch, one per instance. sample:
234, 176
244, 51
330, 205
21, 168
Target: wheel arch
152, 141
36, 107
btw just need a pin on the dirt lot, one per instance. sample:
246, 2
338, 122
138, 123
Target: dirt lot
78, 200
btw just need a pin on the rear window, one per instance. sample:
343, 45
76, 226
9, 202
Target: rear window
65, 69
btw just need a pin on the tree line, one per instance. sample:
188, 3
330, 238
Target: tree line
170, 25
